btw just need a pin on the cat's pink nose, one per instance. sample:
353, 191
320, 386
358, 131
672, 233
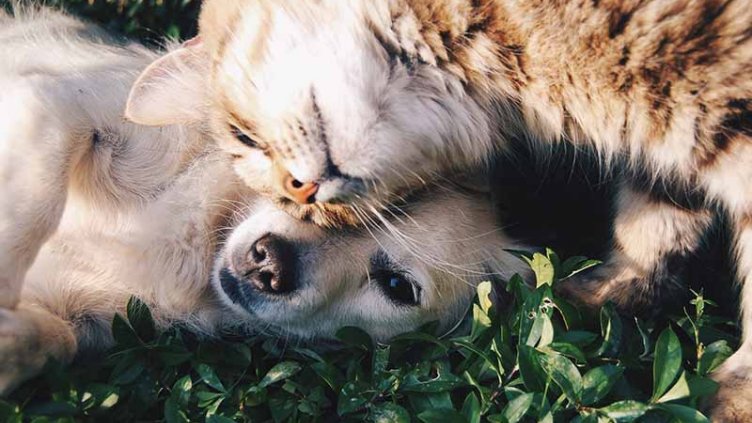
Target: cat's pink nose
300, 192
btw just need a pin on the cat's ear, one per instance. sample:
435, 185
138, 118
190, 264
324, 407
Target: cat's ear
173, 89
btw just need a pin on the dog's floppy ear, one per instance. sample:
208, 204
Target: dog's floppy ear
173, 89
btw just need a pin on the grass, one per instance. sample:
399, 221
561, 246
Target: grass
537, 359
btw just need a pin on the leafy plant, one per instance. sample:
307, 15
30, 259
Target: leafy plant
536, 359
149, 20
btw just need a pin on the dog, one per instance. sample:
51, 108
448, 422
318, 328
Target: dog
96, 210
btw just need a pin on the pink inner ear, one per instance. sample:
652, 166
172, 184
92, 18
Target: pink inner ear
195, 41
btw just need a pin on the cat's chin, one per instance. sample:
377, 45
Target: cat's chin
320, 214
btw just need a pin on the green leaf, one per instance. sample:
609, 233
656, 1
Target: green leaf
57, 409
389, 413
140, 319
445, 380
598, 382
516, 408
328, 374
279, 372
219, 419
428, 401
209, 376
547, 331
123, 333
126, 372
531, 323
254, 396
173, 355
543, 269
352, 397
441, 415
471, 408
282, 407
565, 374
380, 359
481, 322
575, 265
101, 396
570, 314
484, 296
181, 390
567, 349
684, 414
9, 413
667, 364
611, 331
580, 338
625, 411
173, 413
533, 375
518, 288
689, 386
713, 356
355, 337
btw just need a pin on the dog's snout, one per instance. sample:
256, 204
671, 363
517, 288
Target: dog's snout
270, 265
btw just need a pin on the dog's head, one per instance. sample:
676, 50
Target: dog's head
419, 264
353, 102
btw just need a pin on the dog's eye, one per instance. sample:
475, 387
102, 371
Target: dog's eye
399, 289
243, 137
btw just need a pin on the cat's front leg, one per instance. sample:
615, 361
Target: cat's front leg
29, 338
733, 402
653, 239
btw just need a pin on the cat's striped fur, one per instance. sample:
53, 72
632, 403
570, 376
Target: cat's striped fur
388, 93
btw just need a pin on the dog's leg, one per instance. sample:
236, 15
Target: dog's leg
653, 237
37, 152
29, 337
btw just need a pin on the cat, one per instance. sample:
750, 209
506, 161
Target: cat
102, 209
360, 102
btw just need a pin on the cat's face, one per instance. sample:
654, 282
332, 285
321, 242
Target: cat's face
344, 100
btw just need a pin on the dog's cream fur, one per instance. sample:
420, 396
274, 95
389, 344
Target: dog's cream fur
96, 209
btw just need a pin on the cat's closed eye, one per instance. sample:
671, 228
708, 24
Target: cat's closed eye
243, 137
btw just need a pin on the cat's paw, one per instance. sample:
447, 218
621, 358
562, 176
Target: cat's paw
733, 401
630, 290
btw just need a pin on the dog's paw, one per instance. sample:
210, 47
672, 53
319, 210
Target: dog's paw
733, 401
21, 355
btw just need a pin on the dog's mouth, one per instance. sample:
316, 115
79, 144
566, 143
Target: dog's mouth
238, 292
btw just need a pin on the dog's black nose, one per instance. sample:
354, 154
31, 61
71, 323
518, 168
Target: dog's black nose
270, 265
